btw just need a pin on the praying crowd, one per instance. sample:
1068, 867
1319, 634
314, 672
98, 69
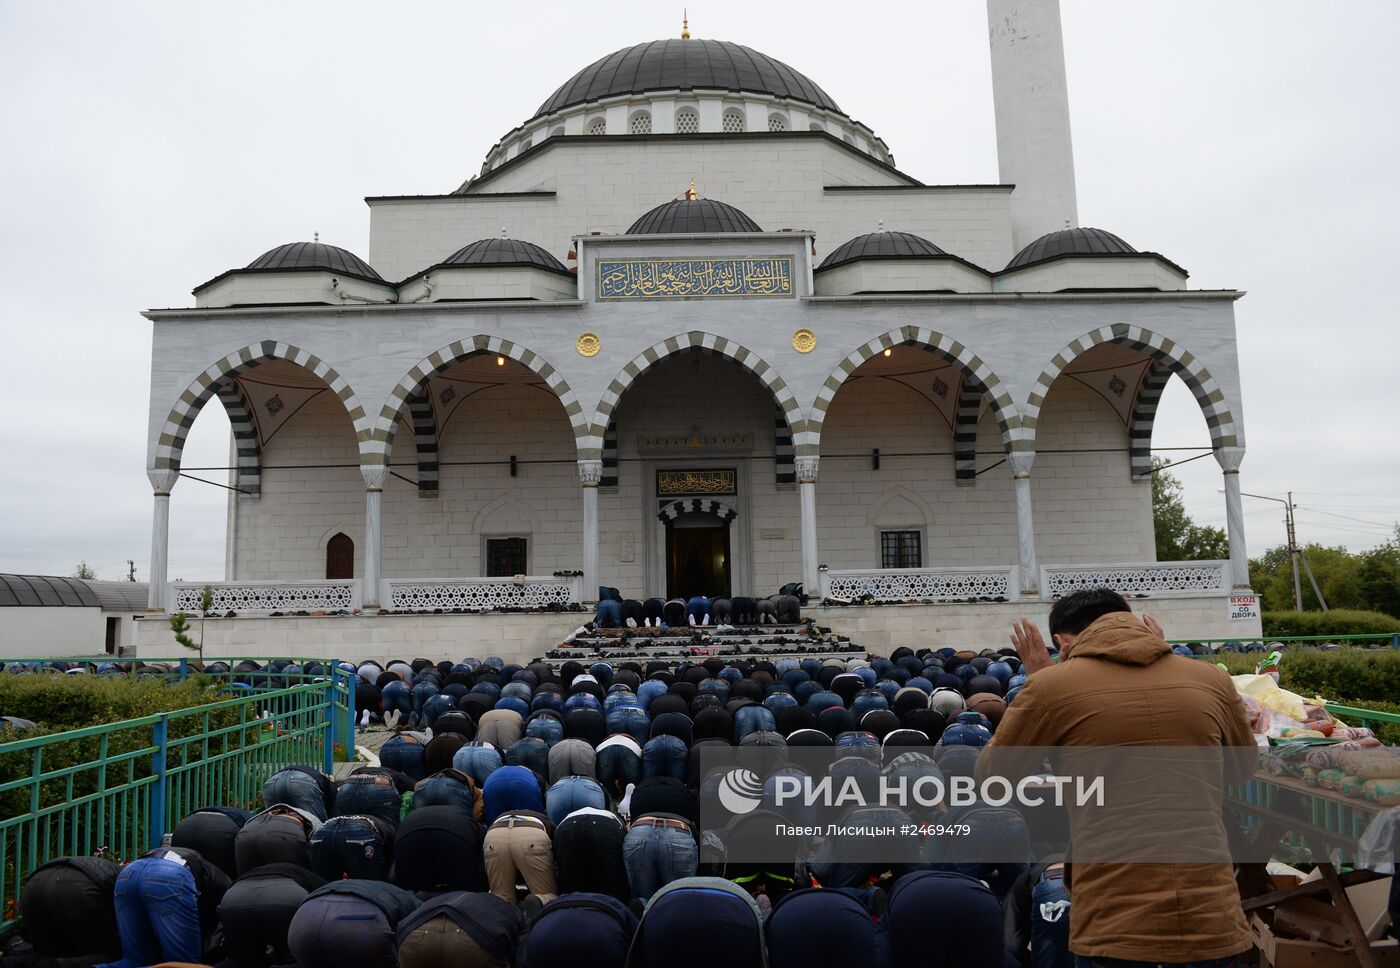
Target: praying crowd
532, 815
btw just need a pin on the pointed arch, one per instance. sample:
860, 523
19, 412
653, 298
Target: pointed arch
1168, 353
900, 492
950, 349
247, 444
170, 445
381, 442
502, 508
591, 447
1140, 423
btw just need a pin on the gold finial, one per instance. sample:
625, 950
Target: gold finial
685, 24
690, 195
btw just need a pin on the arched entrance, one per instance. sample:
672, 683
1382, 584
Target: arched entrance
699, 560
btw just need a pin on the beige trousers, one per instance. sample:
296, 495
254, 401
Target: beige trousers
523, 850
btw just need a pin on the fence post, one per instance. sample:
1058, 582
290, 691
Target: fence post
352, 679
1395, 640
328, 744
159, 736
184, 669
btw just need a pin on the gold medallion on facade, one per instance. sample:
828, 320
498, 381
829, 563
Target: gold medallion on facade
804, 341
589, 344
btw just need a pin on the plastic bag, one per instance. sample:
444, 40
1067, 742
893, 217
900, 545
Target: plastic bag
1264, 690
1376, 848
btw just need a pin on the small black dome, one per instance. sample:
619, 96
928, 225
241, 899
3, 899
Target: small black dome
314, 255
687, 65
504, 252
689, 215
881, 245
1070, 242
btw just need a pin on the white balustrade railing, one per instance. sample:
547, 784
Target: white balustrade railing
1161, 579
245, 597
916, 585
480, 594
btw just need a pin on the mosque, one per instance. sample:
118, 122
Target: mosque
689, 329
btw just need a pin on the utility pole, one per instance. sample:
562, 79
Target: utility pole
1293, 550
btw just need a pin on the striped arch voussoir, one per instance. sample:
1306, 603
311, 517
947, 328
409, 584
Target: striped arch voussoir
410, 396
1169, 357
170, 445
693, 340
696, 505
976, 374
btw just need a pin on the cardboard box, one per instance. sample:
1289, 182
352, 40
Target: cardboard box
1310, 919
1277, 951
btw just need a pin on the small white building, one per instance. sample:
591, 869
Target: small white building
44, 616
690, 330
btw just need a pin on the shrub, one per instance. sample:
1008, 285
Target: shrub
1339, 621
60, 703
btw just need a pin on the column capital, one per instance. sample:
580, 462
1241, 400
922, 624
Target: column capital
1229, 459
1021, 462
807, 469
375, 476
590, 473
162, 479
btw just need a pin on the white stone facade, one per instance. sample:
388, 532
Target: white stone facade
1001, 417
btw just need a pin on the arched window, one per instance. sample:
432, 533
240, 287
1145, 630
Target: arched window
687, 121
816, 126
525, 146
848, 139
340, 557
598, 126
558, 132
733, 121
640, 123
776, 122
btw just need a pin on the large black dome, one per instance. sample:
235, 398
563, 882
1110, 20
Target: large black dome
882, 245
504, 252
685, 216
1070, 242
314, 255
663, 65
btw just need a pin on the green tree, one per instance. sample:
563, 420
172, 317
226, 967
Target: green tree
1271, 575
84, 571
1178, 537
180, 624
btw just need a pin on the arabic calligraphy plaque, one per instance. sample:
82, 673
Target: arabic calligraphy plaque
687, 483
745, 278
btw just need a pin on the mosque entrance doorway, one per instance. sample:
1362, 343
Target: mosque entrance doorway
697, 557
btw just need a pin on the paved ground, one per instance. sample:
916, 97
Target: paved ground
367, 740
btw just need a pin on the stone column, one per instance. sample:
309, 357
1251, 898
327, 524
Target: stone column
590, 473
1229, 459
807, 491
375, 475
1025, 521
161, 482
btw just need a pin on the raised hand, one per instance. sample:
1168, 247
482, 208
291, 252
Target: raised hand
1030, 646
1153, 626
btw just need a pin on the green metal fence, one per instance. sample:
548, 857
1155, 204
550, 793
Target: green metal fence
117, 789
1391, 638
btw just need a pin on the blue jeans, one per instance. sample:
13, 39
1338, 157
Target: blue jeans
157, 914
1082, 962
396, 697
1050, 922
421, 694
657, 855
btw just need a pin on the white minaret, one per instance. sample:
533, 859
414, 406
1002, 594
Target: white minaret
1032, 108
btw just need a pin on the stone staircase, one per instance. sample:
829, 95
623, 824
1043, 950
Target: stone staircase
769, 641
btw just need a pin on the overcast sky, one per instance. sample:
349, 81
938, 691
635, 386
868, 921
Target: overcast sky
147, 147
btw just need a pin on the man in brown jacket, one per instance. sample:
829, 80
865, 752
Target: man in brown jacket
1118, 684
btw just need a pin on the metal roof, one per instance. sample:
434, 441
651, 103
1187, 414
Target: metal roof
121, 596
504, 252
882, 245
45, 590
689, 215
1085, 241
314, 255
664, 65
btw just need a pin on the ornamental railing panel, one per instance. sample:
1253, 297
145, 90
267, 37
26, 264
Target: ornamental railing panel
481, 594
267, 596
919, 585
1154, 580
